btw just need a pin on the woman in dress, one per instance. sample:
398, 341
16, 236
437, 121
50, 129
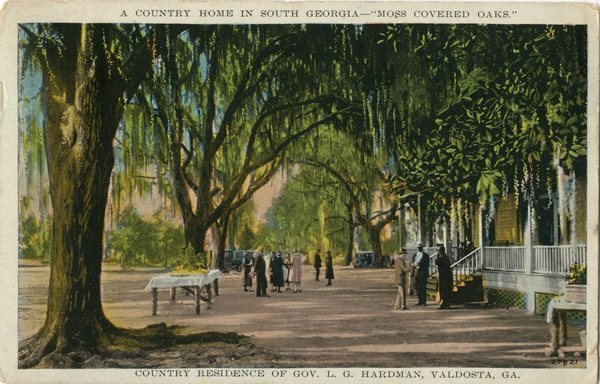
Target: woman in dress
296, 271
277, 271
329, 268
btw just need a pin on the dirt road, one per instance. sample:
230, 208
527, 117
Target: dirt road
349, 324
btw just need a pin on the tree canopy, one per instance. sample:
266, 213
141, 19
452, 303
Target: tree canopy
359, 118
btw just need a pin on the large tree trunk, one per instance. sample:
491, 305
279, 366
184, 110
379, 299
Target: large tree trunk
223, 229
374, 231
375, 236
351, 225
195, 233
80, 127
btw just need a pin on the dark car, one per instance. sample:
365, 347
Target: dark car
363, 259
234, 258
239, 259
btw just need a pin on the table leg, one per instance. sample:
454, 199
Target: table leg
154, 300
197, 299
553, 351
209, 294
216, 284
562, 328
173, 294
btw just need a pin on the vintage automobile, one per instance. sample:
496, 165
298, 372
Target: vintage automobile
365, 259
234, 258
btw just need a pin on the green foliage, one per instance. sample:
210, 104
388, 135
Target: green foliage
577, 274
509, 105
247, 238
35, 237
452, 111
189, 260
137, 241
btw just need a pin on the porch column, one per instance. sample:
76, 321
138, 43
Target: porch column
529, 262
422, 217
555, 219
447, 238
480, 236
528, 241
455, 228
401, 220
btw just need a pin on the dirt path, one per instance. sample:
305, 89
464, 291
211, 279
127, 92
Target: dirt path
350, 324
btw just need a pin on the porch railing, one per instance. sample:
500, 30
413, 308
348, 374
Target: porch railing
504, 258
432, 266
555, 259
466, 266
430, 250
461, 269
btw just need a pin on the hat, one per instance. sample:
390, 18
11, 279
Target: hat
419, 244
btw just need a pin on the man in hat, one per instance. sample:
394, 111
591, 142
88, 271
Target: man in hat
421, 266
403, 268
261, 279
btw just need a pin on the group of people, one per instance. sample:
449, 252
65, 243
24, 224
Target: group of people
417, 267
282, 272
318, 263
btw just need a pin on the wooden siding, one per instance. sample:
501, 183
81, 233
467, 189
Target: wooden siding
507, 224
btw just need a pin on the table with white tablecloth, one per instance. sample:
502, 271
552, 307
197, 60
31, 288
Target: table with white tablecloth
556, 316
194, 284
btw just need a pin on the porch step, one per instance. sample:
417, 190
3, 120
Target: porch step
477, 304
468, 291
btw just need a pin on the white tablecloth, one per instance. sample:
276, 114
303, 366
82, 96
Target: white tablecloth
561, 303
168, 281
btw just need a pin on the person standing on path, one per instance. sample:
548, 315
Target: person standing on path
317, 263
443, 263
248, 264
287, 271
421, 265
329, 268
277, 271
261, 278
403, 269
270, 267
296, 271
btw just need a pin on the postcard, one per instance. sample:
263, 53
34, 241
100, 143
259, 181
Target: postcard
299, 192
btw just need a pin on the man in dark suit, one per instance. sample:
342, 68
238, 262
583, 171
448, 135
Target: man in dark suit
421, 268
317, 264
261, 278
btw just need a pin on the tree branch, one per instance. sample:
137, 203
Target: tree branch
279, 108
244, 90
335, 174
338, 217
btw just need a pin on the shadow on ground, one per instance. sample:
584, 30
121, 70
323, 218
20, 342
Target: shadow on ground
350, 324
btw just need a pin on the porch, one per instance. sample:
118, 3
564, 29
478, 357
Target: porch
532, 275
